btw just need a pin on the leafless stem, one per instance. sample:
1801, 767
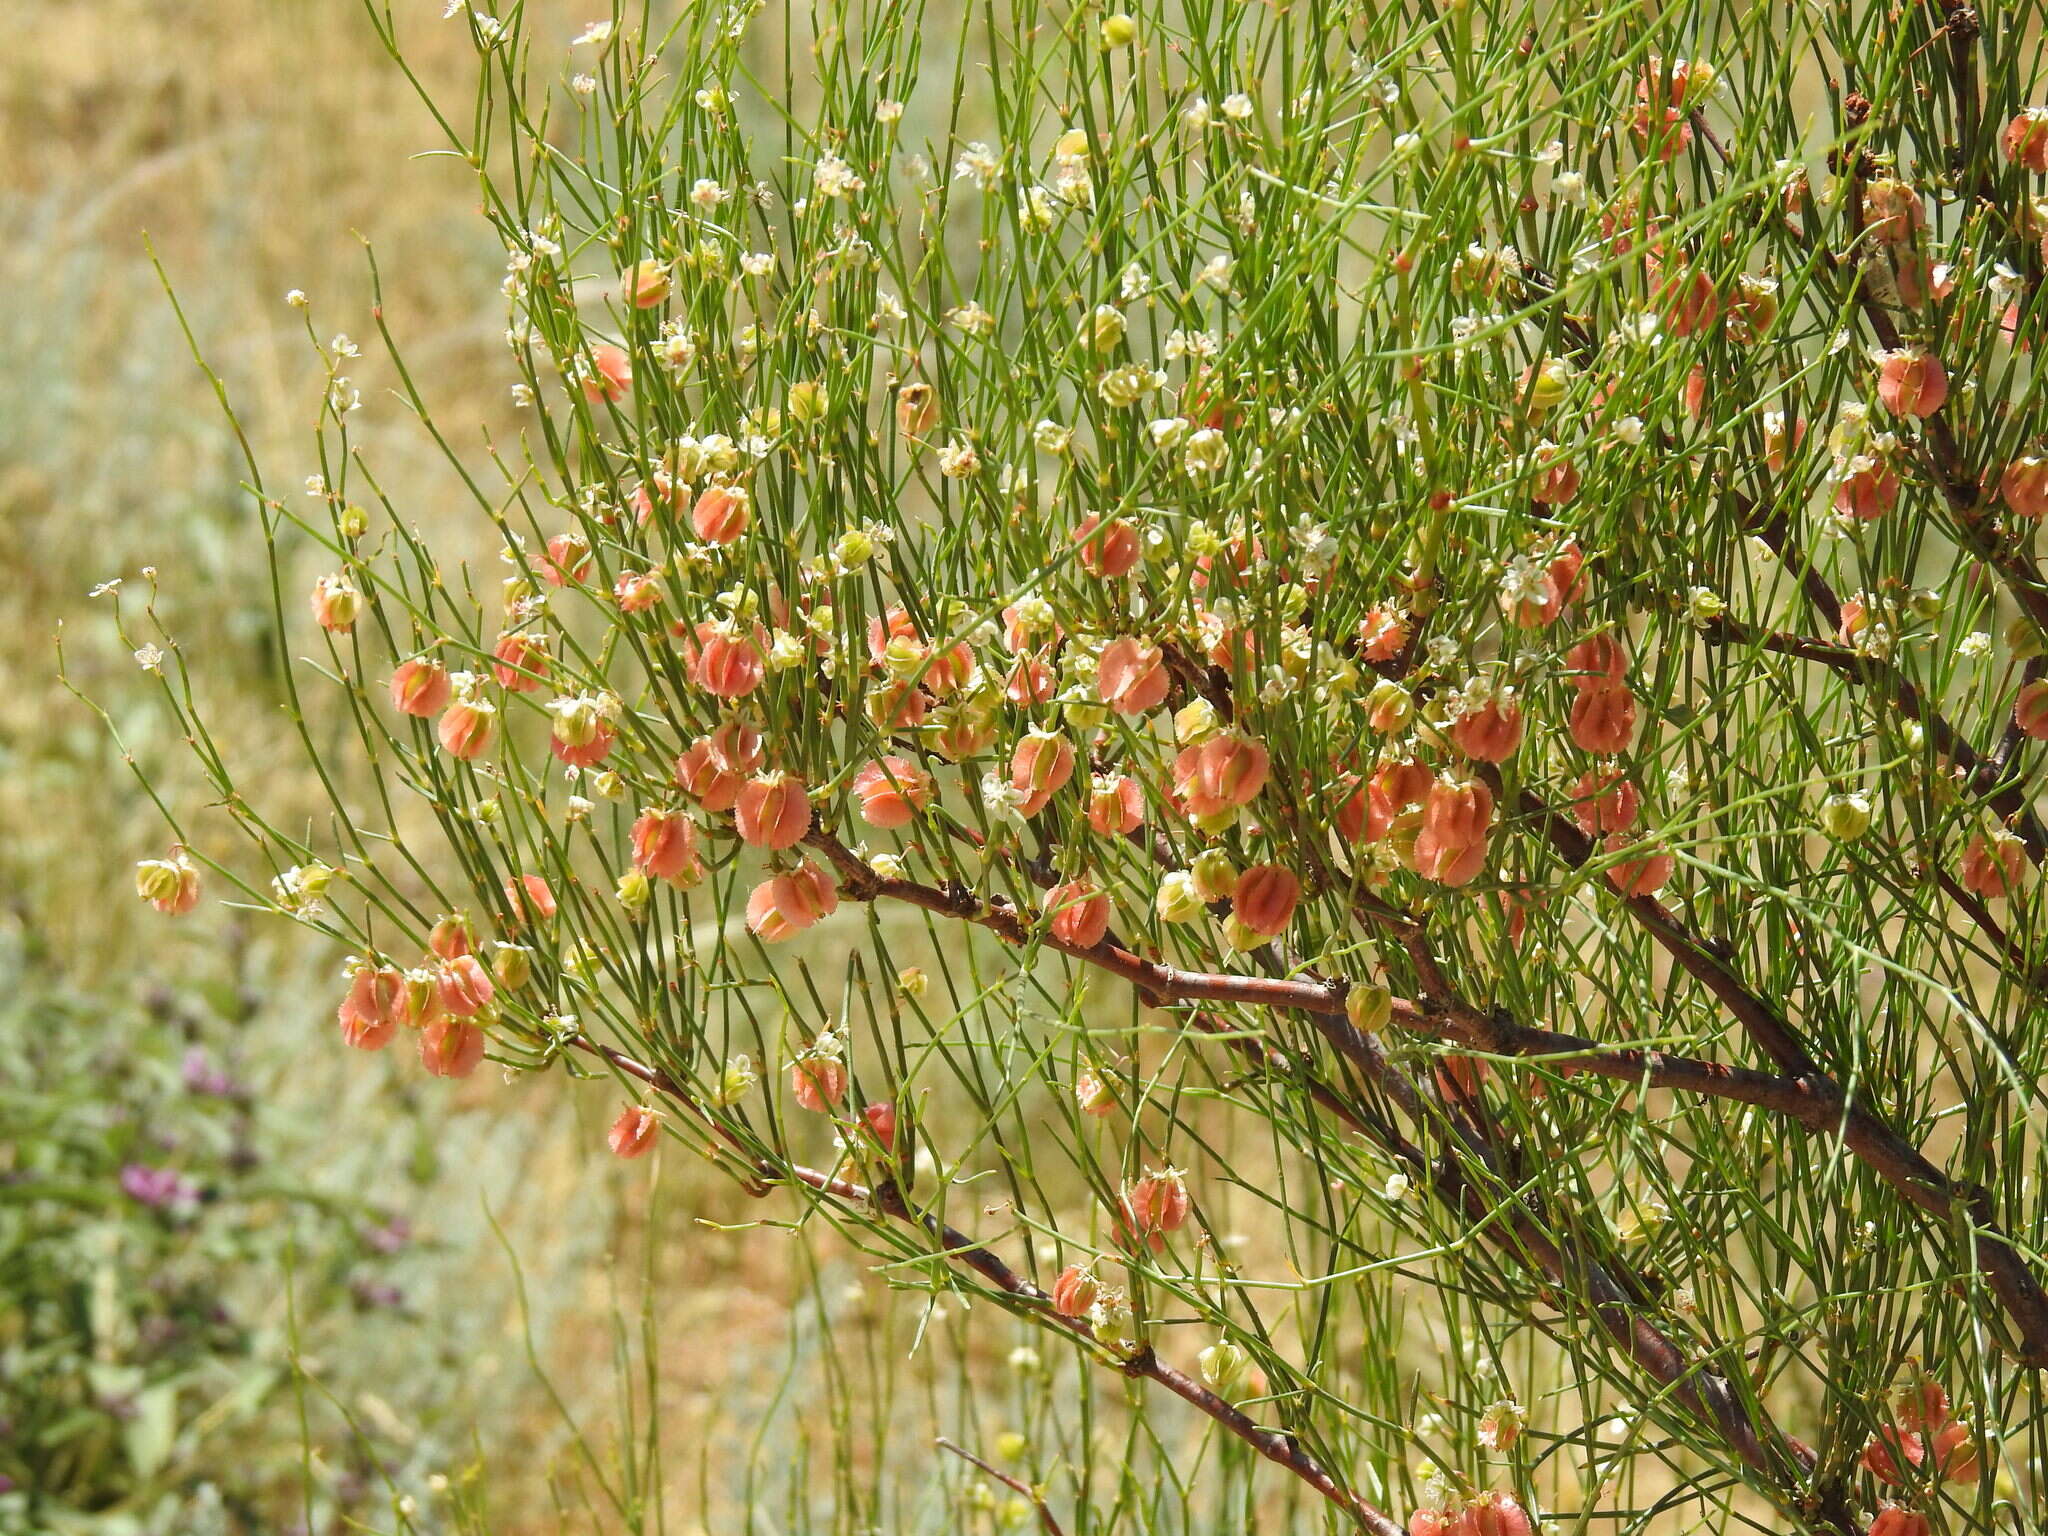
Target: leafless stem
1016, 1485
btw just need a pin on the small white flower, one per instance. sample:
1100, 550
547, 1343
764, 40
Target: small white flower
970, 319
1629, 430
978, 164
1207, 452
1000, 798
1974, 645
598, 33
296, 297
833, 177
1051, 437
1237, 106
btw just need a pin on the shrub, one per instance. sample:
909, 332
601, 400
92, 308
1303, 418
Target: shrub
1340, 706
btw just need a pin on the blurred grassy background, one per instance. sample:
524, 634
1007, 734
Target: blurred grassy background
252, 140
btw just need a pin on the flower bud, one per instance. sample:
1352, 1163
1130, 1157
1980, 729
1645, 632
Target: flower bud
736, 1081
1155, 1205
1389, 707
1080, 913
1214, 874
1118, 31
420, 687
1265, 899
773, 811
1195, 722
645, 284
1222, 1366
1368, 1008
1178, 900
512, 966
336, 603
451, 1047
634, 891
1093, 1093
1075, 1291
817, 1082
1846, 817
171, 885
635, 1131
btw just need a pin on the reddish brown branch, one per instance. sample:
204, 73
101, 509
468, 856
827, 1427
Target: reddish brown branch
1830, 1110
958, 1248
1159, 983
